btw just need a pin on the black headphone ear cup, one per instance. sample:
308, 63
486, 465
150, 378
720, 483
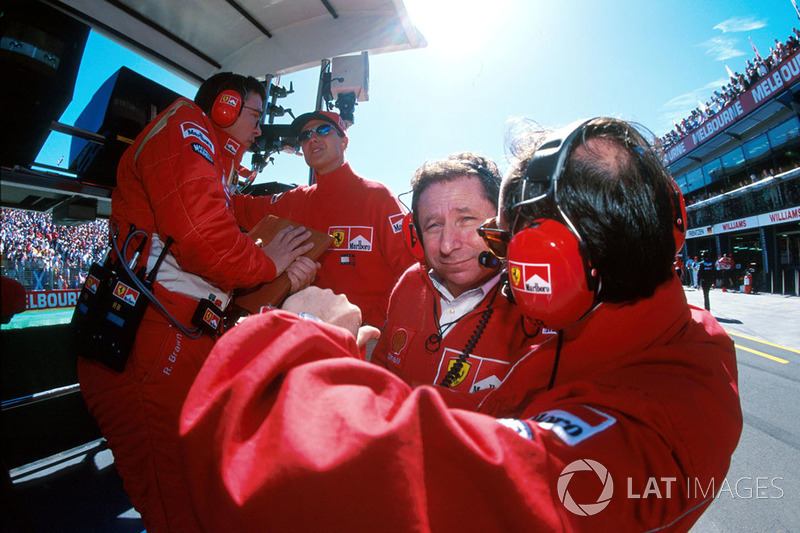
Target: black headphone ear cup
226, 108
411, 239
548, 273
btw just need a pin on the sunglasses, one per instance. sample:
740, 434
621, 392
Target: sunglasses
323, 130
495, 238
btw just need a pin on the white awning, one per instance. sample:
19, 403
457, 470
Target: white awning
197, 38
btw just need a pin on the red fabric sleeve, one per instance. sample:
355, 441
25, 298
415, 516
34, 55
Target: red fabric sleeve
284, 429
188, 203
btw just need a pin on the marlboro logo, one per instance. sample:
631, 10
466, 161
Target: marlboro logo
211, 318
126, 294
354, 238
92, 283
532, 278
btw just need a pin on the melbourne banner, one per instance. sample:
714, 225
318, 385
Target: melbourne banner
787, 72
51, 299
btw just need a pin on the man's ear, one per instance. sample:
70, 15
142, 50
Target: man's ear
345, 140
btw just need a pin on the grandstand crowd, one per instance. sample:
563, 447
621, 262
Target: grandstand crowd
43, 255
754, 70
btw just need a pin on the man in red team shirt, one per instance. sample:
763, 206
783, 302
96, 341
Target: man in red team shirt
173, 185
286, 429
448, 322
368, 253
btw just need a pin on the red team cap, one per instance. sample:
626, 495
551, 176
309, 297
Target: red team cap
326, 116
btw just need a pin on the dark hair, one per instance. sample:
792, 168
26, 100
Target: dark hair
452, 167
225, 81
617, 193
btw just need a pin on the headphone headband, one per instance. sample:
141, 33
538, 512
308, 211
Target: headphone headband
480, 169
548, 162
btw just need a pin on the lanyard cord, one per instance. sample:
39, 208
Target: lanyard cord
455, 370
433, 342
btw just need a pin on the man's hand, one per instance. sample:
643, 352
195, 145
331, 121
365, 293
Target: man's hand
286, 246
301, 273
324, 304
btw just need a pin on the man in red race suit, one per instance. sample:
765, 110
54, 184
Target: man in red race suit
174, 183
448, 324
286, 429
368, 254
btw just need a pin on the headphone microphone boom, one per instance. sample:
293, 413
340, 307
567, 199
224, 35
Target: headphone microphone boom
488, 260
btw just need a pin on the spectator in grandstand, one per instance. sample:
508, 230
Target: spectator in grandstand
32, 244
739, 83
285, 429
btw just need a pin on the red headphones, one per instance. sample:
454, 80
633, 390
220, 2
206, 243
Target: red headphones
226, 108
549, 270
411, 239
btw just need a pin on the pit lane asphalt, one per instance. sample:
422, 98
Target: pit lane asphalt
761, 491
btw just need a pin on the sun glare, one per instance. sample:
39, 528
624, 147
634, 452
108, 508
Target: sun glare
457, 27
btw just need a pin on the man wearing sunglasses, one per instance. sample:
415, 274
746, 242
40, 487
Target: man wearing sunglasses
610, 425
368, 254
448, 323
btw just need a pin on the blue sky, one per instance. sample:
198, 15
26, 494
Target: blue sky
486, 67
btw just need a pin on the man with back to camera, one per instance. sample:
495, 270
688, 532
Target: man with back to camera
636, 386
448, 324
707, 276
368, 254
173, 184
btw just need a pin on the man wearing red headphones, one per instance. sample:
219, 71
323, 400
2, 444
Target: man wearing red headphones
368, 253
448, 324
173, 186
610, 425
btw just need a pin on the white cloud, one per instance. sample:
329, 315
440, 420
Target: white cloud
737, 24
682, 106
714, 85
721, 48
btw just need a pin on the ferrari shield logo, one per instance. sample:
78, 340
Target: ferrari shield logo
338, 238
516, 275
461, 375
211, 319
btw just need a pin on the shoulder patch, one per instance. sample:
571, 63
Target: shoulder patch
396, 222
200, 149
397, 347
517, 425
575, 425
232, 146
190, 129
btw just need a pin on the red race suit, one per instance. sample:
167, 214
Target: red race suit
404, 346
285, 429
171, 183
368, 254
